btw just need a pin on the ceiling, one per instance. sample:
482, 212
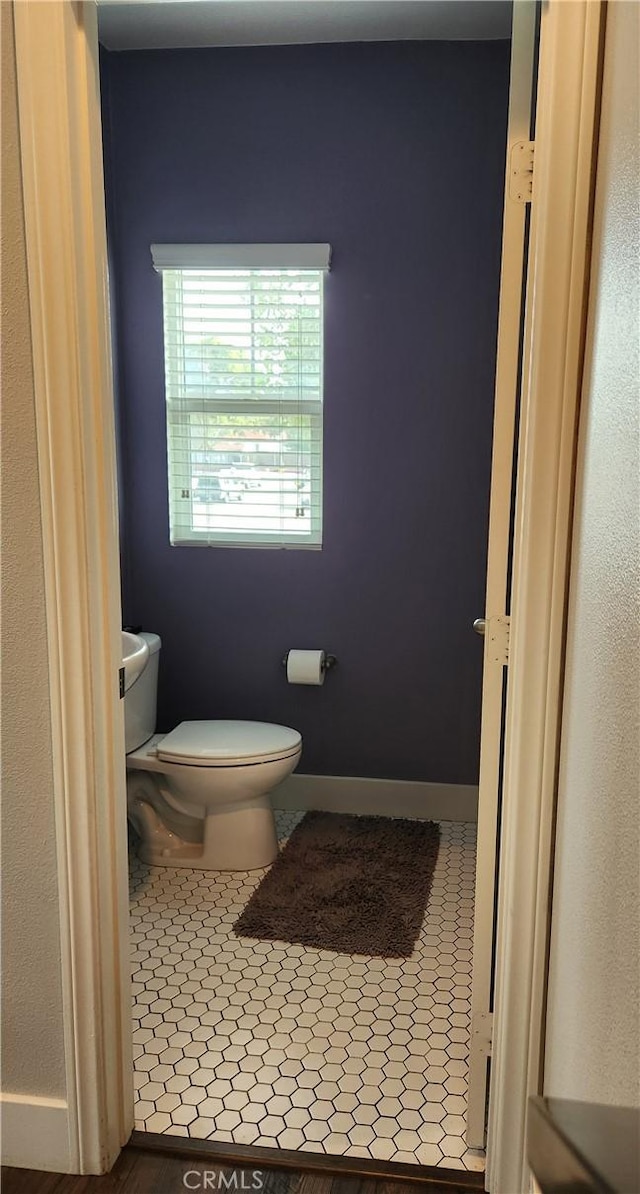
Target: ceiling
174, 24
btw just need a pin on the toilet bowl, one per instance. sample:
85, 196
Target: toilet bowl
199, 795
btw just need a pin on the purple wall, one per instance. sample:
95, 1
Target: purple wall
394, 154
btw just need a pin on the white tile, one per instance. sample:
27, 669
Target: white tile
202, 1128
389, 1107
452, 1146
151, 1091
228, 1120
456, 1104
210, 1107
291, 1138
385, 1128
365, 1114
316, 1130
337, 1144
260, 1042
303, 1098
407, 1141
430, 1133
158, 1122
429, 1154
361, 1135
184, 1114
409, 1120
345, 1102
382, 1149
297, 1117
143, 1110
194, 1095
473, 1160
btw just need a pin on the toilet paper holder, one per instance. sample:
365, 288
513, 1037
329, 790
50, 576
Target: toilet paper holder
328, 662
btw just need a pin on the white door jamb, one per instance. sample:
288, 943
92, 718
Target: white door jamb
59, 114
523, 44
566, 128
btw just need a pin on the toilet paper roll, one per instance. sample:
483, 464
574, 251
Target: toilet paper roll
305, 667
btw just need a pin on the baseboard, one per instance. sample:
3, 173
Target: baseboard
378, 797
35, 1133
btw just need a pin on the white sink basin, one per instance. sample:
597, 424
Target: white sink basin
135, 654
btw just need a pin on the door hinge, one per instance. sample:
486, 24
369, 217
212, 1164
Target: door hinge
121, 682
497, 636
482, 1033
521, 171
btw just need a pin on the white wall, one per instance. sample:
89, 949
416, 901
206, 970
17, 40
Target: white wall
32, 1028
593, 1034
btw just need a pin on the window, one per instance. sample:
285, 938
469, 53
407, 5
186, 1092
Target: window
243, 339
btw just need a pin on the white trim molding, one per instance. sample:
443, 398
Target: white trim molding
566, 123
59, 112
378, 797
499, 550
201, 257
35, 1133
58, 96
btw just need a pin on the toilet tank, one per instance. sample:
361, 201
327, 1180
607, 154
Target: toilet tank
140, 701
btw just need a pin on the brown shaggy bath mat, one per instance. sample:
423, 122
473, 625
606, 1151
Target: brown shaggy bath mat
356, 885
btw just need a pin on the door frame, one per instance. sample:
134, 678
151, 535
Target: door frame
59, 112
499, 554
567, 124
63, 194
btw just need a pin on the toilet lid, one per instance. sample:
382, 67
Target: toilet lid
223, 743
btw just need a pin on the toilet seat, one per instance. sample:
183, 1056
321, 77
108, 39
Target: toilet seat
228, 743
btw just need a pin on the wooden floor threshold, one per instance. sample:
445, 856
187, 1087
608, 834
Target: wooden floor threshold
451, 1181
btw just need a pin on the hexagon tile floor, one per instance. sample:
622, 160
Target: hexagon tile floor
293, 1048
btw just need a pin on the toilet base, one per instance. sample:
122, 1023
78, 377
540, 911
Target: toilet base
236, 838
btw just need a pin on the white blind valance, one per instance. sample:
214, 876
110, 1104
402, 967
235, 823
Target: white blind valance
298, 257
244, 381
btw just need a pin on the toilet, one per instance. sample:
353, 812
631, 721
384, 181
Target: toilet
199, 795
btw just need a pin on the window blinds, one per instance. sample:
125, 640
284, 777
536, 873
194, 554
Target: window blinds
243, 378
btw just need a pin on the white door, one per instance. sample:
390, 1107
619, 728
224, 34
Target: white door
495, 622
